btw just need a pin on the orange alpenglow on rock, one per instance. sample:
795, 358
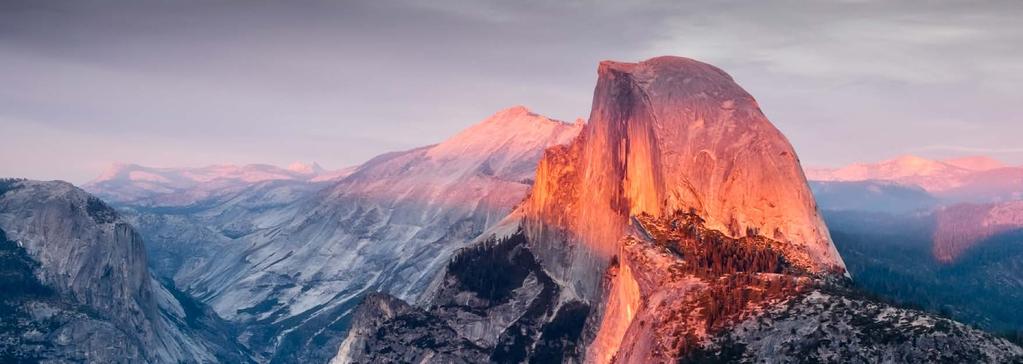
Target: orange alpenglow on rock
664, 135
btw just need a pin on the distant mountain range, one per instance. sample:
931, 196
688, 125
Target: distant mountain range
970, 179
140, 185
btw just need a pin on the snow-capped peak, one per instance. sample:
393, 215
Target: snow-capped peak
503, 137
305, 168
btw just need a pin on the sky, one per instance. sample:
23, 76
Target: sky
84, 84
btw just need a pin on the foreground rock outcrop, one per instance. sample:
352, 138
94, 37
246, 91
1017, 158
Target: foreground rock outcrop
835, 326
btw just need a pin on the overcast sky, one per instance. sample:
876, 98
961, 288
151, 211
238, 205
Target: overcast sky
190, 83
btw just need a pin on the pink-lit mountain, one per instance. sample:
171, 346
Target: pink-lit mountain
969, 179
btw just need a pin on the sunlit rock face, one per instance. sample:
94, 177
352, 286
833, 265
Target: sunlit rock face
670, 134
961, 227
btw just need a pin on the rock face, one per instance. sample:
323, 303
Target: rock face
289, 259
666, 135
671, 134
81, 290
678, 213
494, 303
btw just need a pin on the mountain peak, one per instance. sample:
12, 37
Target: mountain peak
306, 168
517, 116
508, 132
515, 110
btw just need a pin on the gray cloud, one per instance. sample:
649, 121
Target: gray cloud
201, 82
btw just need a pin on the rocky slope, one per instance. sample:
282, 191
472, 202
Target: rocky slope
831, 326
289, 259
678, 213
78, 287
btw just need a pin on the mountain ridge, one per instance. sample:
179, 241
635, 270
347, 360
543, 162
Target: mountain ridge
966, 179
290, 259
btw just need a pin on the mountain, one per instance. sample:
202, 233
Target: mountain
77, 287
963, 226
676, 219
148, 186
907, 167
289, 259
970, 179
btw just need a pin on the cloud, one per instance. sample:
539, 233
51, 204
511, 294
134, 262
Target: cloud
340, 81
969, 149
939, 44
